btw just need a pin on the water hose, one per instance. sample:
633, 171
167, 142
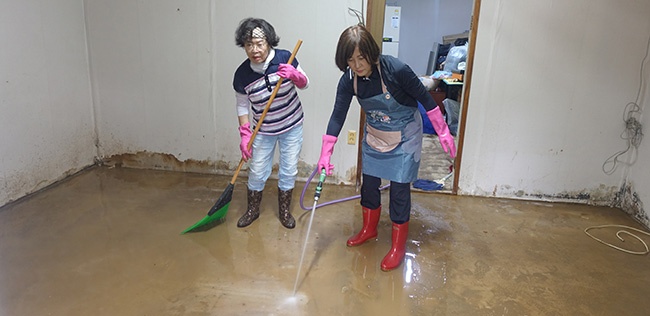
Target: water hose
439, 184
302, 195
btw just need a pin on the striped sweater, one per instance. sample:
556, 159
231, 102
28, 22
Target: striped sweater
285, 111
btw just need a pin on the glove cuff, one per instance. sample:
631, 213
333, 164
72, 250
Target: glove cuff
245, 130
329, 139
328, 144
438, 122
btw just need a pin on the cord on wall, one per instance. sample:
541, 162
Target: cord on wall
358, 14
633, 132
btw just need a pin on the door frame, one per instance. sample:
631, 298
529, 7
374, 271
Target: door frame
375, 24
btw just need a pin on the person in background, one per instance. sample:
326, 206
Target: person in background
388, 92
254, 82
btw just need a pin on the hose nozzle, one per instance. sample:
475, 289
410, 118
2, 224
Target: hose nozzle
319, 186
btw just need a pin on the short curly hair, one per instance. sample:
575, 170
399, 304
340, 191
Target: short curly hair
244, 32
353, 36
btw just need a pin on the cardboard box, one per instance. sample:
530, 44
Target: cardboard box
453, 37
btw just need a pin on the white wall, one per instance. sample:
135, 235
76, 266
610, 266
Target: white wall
162, 74
551, 80
46, 115
151, 75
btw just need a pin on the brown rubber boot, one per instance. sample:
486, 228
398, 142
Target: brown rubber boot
284, 202
253, 212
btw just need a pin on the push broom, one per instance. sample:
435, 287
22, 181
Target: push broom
220, 208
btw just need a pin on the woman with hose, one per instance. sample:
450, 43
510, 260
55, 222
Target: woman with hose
388, 92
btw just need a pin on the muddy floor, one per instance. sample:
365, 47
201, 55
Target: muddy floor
108, 242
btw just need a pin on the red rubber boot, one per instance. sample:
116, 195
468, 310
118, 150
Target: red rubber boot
396, 254
369, 230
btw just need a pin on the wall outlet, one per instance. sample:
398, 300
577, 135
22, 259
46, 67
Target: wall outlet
352, 137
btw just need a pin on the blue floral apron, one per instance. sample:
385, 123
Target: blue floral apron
392, 142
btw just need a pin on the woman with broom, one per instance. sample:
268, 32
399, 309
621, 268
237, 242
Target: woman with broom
254, 82
388, 92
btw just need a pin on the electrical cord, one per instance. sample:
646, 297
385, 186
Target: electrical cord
633, 132
358, 14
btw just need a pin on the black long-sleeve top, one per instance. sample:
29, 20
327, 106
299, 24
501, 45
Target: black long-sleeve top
402, 83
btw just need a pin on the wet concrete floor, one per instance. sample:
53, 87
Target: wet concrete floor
107, 242
435, 164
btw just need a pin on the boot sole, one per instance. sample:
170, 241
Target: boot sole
247, 224
360, 243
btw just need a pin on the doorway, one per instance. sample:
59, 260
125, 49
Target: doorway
375, 23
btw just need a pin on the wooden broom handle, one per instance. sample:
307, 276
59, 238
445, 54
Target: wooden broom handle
266, 109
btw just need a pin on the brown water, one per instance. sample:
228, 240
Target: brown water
108, 242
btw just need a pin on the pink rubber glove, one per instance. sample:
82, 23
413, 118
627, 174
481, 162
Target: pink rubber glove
446, 140
325, 154
287, 71
245, 133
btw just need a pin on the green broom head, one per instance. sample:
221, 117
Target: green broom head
217, 213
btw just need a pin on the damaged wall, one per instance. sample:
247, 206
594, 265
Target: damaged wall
550, 85
636, 163
46, 115
162, 75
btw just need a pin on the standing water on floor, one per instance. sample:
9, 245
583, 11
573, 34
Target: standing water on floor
107, 242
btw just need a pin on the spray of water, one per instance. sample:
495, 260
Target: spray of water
304, 247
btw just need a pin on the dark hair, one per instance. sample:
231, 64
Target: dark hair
244, 31
353, 36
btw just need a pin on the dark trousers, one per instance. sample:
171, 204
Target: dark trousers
400, 198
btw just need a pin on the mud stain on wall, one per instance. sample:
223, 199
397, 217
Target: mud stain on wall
169, 162
628, 201
600, 196
160, 161
624, 198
